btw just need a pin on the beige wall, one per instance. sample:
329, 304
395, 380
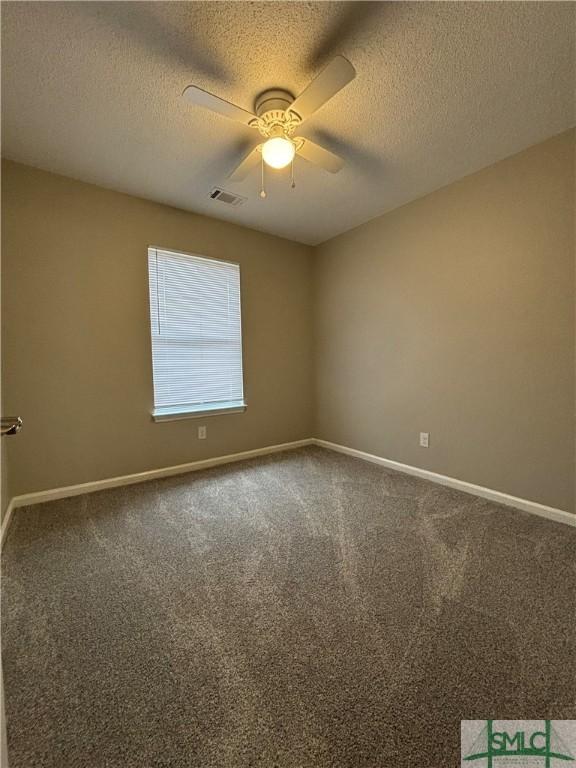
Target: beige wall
4, 489
454, 315
76, 343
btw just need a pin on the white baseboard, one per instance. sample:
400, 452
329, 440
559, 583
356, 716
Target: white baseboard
52, 494
558, 515
6, 522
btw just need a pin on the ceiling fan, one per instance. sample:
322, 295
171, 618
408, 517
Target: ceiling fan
277, 116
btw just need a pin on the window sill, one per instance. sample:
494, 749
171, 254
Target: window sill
190, 412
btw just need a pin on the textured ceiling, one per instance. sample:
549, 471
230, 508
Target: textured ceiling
92, 91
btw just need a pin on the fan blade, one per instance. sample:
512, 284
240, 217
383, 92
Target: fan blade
325, 85
246, 165
207, 100
316, 154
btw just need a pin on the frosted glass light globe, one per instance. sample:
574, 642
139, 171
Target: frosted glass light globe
278, 152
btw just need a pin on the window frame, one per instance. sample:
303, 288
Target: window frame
202, 410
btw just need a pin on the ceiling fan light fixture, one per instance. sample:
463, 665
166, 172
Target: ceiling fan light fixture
278, 152
276, 116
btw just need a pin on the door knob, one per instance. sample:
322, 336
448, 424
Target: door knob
10, 425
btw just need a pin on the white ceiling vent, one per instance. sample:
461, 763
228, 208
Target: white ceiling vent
226, 197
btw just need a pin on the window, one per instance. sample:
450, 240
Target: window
196, 335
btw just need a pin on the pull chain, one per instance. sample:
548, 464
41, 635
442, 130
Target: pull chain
292, 174
262, 190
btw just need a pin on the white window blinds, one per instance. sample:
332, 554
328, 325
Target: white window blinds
196, 334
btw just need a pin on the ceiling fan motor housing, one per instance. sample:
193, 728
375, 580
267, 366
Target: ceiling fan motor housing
274, 100
274, 117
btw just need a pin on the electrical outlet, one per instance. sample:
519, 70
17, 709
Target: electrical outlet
201, 433
424, 439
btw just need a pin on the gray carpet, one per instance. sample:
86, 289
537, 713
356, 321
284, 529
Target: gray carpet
303, 609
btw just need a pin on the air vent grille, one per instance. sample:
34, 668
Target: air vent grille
226, 197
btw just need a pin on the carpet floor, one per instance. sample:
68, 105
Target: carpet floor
300, 610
